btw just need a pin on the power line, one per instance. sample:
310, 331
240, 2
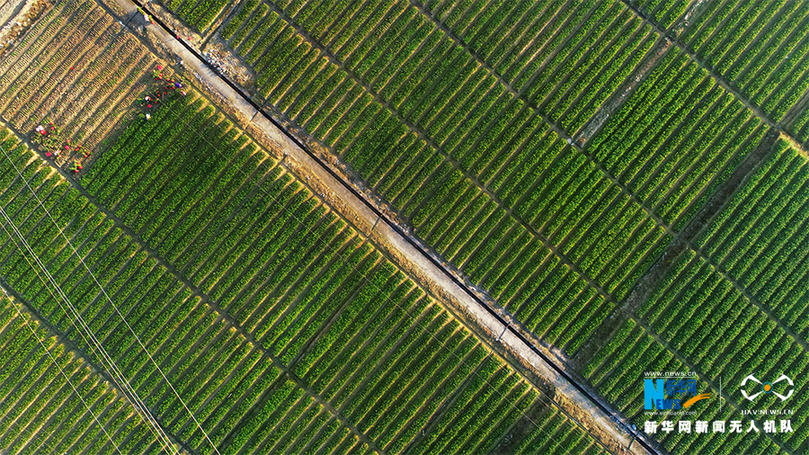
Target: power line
33, 333
115, 307
102, 354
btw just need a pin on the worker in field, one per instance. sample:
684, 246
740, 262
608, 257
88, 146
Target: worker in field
146, 17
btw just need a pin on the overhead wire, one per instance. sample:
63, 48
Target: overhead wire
25, 321
101, 353
109, 299
107, 362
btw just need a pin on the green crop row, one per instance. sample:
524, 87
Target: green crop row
257, 16
204, 13
706, 319
236, 21
757, 46
568, 55
312, 305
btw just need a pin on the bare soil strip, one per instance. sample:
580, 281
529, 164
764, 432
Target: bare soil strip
618, 98
604, 425
683, 240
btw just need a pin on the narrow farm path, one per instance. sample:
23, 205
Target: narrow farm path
682, 241
413, 259
223, 315
727, 85
619, 96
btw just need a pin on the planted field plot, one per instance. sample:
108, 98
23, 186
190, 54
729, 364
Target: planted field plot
76, 69
759, 241
730, 306
760, 47
286, 331
42, 413
281, 328
383, 45
677, 138
465, 157
615, 373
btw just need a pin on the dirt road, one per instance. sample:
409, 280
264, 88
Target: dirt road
394, 241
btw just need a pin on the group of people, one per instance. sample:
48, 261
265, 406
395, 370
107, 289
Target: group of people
53, 144
161, 93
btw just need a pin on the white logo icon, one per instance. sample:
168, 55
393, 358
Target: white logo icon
767, 387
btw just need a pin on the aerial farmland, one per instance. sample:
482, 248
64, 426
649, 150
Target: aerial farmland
404, 227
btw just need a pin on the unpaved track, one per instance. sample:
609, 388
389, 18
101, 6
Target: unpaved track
14, 18
410, 256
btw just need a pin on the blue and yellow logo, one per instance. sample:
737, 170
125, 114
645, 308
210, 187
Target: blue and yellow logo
670, 393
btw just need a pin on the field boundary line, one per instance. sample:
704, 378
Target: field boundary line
726, 84
48, 352
285, 138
